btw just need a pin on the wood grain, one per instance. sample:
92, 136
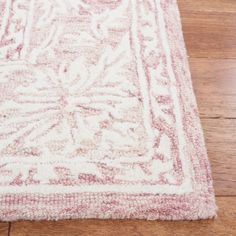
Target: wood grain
207, 33
214, 82
4, 229
223, 225
220, 137
207, 5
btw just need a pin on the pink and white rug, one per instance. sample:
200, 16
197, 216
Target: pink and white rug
97, 113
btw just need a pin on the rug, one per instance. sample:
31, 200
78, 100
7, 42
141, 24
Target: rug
98, 116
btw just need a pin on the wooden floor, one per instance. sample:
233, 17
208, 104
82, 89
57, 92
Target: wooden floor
210, 34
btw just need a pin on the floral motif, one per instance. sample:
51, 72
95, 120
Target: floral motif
73, 104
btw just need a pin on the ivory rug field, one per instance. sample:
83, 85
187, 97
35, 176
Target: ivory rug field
97, 113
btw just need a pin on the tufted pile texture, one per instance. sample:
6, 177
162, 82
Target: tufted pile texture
97, 114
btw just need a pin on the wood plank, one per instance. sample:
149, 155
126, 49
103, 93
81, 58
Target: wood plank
209, 34
209, 5
220, 135
4, 228
214, 84
223, 225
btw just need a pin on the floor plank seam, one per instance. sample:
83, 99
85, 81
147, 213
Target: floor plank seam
218, 117
225, 196
9, 229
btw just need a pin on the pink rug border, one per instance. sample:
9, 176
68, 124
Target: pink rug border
198, 205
